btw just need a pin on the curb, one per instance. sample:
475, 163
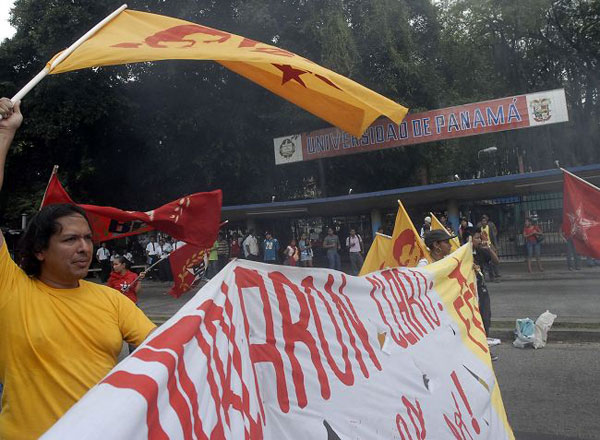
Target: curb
507, 335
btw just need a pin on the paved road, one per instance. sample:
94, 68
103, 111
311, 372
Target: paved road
551, 393
574, 300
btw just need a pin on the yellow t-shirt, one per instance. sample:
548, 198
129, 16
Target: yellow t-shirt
55, 344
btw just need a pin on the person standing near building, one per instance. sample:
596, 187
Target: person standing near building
533, 237
213, 260
489, 233
250, 246
60, 334
234, 247
483, 255
222, 250
292, 254
331, 243
270, 248
464, 224
426, 226
164, 268
355, 246
306, 252
103, 257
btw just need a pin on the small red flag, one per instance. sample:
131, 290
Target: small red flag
188, 268
194, 219
581, 215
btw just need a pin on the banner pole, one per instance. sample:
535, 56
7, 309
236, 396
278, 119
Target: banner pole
64, 54
580, 179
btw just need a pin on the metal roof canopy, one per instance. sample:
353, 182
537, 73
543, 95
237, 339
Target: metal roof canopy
474, 189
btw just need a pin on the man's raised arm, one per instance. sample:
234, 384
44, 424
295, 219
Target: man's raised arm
10, 121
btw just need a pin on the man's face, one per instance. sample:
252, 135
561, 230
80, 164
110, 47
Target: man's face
476, 239
268, 236
352, 232
69, 253
484, 221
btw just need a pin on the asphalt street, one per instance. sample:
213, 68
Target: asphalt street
551, 393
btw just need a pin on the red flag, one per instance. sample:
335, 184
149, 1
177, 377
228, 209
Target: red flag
581, 215
194, 218
188, 268
55, 192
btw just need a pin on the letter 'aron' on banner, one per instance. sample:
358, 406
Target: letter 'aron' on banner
279, 352
510, 113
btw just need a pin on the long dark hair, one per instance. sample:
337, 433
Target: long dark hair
42, 226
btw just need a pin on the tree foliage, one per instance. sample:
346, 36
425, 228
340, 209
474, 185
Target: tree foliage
140, 135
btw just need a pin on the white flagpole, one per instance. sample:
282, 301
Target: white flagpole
64, 54
383, 235
580, 179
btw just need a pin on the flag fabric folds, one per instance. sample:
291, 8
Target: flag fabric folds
436, 224
279, 352
134, 36
188, 266
375, 259
407, 246
194, 219
581, 215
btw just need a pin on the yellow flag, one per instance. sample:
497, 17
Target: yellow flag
436, 224
134, 36
407, 247
375, 259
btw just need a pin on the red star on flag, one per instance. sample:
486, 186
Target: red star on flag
581, 215
579, 224
291, 73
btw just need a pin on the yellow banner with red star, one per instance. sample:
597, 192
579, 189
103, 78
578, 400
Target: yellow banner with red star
134, 36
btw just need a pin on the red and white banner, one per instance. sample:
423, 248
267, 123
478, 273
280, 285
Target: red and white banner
502, 114
265, 351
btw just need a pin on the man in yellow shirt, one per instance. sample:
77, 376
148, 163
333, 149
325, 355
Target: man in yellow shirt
59, 334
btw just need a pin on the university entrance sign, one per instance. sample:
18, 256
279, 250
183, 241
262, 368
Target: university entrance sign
510, 113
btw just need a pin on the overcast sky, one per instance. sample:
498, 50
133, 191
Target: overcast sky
5, 29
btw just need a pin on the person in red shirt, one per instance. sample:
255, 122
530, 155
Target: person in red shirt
533, 237
124, 280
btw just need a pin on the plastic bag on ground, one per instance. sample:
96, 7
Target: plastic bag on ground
542, 325
525, 333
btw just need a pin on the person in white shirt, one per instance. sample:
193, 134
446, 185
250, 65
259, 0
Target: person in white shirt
354, 244
152, 253
103, 257
164, 268
250, 246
